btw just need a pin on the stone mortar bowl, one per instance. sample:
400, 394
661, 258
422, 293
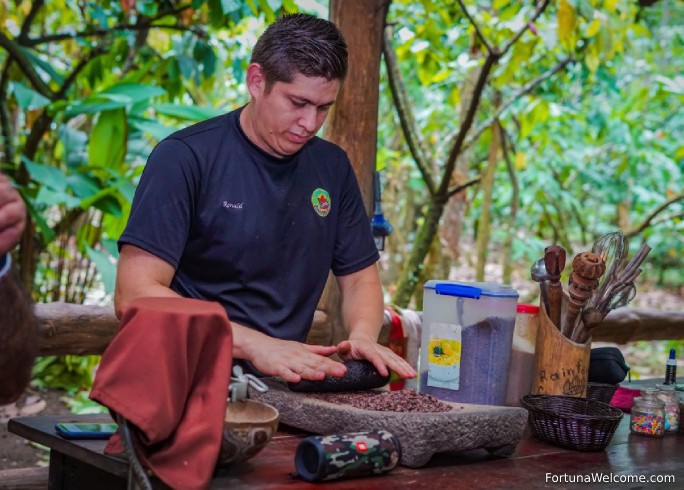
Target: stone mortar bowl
248, 427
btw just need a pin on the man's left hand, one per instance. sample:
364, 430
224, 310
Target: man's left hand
383, 358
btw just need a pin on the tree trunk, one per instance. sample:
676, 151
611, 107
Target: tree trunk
485, 222
452, 221
353, 123
507, 249
416, 262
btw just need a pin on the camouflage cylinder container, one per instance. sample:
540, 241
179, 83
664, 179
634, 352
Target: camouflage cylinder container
350, 455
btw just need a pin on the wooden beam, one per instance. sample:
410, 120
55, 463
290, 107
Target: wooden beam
631, 324
81, 330
66, 328
24, 479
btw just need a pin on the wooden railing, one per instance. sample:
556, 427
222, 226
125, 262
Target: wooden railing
77, 329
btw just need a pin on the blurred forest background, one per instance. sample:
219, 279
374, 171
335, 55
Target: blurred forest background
503, 127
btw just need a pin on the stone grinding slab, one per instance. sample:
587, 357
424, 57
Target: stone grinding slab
420, 434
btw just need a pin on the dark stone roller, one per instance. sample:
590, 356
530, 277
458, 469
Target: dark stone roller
360, 375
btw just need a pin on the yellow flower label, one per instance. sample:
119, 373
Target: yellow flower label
444, 352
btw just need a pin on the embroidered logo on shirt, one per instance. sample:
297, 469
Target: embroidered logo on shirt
321, 202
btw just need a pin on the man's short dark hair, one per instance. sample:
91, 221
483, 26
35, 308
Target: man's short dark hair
301, 43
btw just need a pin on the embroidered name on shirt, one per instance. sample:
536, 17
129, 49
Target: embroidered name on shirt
232, 205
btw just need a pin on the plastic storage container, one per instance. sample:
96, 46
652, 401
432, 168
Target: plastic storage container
466, 341
522, 353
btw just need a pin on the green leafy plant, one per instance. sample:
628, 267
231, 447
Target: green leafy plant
70, 373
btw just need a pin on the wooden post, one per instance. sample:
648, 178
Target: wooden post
353, 124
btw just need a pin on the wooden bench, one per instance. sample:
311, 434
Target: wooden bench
24, 479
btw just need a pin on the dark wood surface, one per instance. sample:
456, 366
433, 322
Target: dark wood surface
81, 464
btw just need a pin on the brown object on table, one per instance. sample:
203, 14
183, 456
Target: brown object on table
497, 429
574, 423
387, 401
167, 373
249, 426
561, 366
587, 269
601, 392
554, 260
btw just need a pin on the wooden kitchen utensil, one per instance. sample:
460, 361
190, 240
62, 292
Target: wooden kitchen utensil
554, 260
587, 269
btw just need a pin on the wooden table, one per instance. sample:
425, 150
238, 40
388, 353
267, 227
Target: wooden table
80, 465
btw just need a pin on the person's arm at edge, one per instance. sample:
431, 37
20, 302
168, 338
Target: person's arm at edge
12, 215
142, 274
363, 313
18, 325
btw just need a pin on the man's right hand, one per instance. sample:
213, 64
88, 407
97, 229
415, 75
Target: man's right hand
292, 361
12, 215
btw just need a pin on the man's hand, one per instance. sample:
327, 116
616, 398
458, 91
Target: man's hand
292, 361
12, 215
365, 347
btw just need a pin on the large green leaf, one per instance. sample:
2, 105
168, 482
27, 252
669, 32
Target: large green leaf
46, 175
108, 140
45, 230
189, 113
74, 151
135, 92
122, 95
43, 66
105, 266
49, 197
93, 106
158, 130
230, 6
28, 99
83, 186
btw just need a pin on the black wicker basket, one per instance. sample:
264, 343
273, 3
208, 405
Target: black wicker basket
574, 423
602, 392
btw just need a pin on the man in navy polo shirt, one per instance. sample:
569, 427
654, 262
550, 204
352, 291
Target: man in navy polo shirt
253, 210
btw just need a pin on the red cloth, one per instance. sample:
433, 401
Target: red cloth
167, 372
623, 398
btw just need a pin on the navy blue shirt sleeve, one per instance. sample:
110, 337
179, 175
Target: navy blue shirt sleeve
164, 202
354, 246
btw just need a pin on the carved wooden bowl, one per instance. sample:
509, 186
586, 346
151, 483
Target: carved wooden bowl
249, 426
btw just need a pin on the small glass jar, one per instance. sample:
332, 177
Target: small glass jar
648, 414
668, 394
679, 389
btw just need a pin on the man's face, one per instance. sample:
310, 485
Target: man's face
290, 114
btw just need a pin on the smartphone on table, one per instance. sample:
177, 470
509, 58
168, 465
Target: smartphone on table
85, 430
